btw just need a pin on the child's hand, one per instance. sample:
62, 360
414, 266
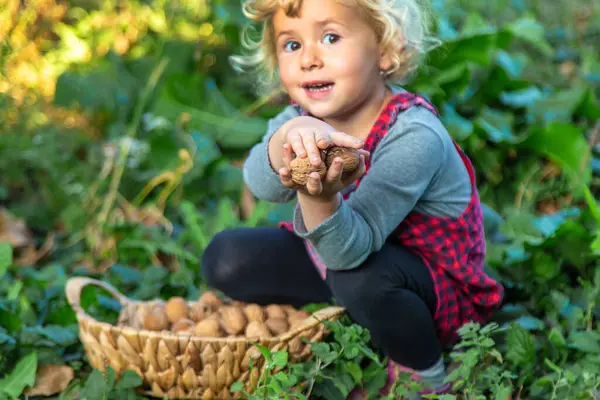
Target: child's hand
333, 182
312, 135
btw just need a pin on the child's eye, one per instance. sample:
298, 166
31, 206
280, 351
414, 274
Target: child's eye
332, 37
291, 46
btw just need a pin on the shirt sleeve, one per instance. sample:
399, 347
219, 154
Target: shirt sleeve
402, 168
257, 172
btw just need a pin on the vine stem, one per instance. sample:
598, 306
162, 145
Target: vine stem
126, 143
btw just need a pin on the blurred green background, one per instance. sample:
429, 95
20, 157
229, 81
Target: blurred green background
123, 129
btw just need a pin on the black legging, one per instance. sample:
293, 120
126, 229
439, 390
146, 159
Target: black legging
391, 293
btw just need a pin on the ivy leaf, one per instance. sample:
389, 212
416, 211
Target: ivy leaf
22, 375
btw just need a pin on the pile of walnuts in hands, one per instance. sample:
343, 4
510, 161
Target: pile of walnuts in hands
321, 163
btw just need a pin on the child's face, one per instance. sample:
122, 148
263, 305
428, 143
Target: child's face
331, 45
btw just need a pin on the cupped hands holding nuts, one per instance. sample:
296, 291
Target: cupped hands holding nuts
336, 170
315, 158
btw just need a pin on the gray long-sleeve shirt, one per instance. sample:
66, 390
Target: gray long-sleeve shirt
415, 166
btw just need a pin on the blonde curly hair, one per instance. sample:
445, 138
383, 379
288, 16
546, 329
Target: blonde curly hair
401, 26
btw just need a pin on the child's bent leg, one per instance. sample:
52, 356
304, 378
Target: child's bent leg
263, 265
392, 294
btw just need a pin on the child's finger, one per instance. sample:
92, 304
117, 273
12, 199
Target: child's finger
286, 178
344, 140
323, 140
288, 155
295, 140
314, 153
364, 153
313, 184
334, 172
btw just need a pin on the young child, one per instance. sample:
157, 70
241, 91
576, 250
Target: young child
399, 242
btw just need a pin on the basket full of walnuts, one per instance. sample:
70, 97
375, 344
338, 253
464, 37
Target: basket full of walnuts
194, 349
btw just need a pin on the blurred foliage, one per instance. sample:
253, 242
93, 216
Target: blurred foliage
124, 129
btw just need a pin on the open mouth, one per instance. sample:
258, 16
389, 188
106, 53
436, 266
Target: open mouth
318, 86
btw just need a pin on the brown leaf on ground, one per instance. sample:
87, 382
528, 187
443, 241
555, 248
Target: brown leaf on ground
14, 231
50, 380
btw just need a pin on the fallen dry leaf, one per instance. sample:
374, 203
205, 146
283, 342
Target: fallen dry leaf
14, 230
50, 380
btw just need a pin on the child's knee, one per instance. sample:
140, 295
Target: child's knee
218, 260
358, 293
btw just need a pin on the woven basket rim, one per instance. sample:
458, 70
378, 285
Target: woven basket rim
75, 285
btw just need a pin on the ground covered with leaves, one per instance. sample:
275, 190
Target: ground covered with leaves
123, 132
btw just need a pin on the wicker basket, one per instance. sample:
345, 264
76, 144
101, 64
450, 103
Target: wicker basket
184, 366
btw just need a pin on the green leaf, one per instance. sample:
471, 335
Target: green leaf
497, 124
236, 387
49, 335
521, 98
233, 131
564, 144
459, 127
585, 341
532, 32
280, 358
521, 346
478, 49
545, 266
129, 380
503, 392
476, 24
552, 366
6, 258
22, 375
558, 106
512, 64
596, 243
264, 351
106, 87
95, 386
354, 370
556, 337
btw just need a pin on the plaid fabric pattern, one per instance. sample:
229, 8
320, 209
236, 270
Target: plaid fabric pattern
452, 248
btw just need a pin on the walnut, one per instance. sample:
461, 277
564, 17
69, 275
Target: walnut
275, 311
156, 319
257, 329
208, 328
176, 309
350, 157
301, 168
211, 300
254, 312
199, 310
233, 319
183, 325
277, 326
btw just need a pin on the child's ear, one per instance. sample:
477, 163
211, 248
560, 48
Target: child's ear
385, 60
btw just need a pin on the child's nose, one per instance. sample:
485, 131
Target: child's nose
310, 57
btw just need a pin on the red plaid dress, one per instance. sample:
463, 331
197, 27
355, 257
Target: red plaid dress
452, 248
